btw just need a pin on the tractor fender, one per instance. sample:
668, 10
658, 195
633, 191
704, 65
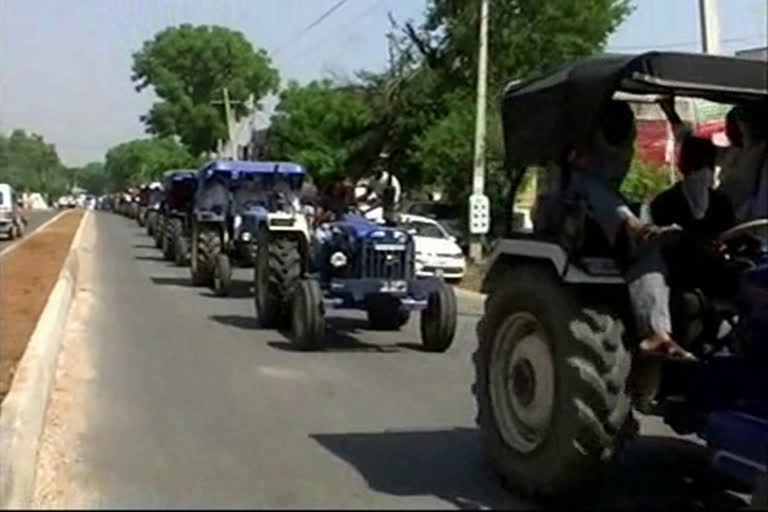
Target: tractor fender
508, 253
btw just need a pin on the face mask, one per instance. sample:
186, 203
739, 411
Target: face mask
696, 187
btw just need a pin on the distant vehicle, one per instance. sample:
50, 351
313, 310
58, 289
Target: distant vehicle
445, 213
66, 202
12, 221
437, 253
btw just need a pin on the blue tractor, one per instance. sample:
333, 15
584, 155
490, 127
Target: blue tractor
171, 226
557, 375
361, 264
236, 204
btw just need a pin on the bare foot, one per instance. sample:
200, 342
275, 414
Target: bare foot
663, 346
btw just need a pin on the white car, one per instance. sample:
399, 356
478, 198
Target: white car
437, 253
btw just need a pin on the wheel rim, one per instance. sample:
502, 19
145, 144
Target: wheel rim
522, 382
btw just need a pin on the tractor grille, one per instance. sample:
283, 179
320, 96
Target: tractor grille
386, 264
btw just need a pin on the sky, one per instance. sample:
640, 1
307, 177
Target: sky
65, 64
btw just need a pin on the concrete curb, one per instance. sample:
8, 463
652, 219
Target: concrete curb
22, 413
32, 233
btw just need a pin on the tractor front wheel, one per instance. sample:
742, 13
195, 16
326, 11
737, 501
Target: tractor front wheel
307, 316
222, 275
276, 274
438, 320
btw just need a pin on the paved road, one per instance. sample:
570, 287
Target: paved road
35, 218
188, 403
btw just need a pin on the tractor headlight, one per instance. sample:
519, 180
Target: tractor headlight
401, 237
338, 259
246, 236
238, 221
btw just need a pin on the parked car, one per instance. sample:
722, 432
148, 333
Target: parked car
444, 213
437, 253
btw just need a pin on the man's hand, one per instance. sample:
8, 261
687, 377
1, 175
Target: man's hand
648, 232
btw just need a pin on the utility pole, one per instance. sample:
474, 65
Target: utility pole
478, 201
709, 21
230, 122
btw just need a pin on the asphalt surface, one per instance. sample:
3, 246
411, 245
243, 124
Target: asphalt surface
191, 404
35, 218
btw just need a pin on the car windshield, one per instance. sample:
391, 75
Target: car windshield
426, 229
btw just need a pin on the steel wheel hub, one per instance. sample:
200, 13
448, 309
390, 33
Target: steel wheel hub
522, 382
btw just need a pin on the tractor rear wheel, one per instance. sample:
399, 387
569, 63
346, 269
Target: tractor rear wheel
208, 246
277, 271
550, 384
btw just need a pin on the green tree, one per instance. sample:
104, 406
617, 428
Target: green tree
30, 164
188, 67
321, 125
92, 177
141, 160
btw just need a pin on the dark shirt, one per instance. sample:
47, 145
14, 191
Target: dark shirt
671, 207
691, 260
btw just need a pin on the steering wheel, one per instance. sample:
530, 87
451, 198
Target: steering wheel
747, 241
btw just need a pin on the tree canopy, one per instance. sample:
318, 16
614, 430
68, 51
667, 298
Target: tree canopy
188, 67
30, 164
320, 125
423, 106
142, 160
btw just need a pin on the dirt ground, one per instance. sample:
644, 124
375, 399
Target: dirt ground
27, 276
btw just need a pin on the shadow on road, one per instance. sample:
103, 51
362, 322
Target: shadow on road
239, 321
655, 472
666, 472
448, 464
340, 337
150, 258
173, 281
239, 290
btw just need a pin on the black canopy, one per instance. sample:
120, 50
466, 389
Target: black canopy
543, 116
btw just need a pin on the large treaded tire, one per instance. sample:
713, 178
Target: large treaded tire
222, 275
172, 228
159, 230
278, 270
307, 316
590, 403
438, 320
150, 222
208, 247
180, 250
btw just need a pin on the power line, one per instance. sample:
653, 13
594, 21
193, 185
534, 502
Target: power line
312, 25
351, 21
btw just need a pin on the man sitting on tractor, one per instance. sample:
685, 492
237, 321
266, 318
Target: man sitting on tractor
703, 212
598, 170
